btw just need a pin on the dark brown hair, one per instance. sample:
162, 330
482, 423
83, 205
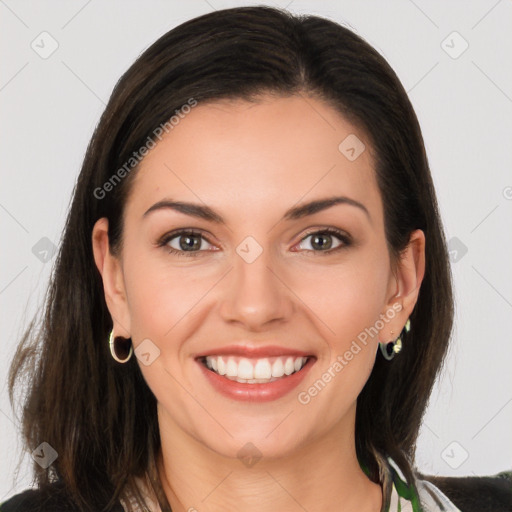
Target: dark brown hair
100, 416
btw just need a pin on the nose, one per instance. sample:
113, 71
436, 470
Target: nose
255, 293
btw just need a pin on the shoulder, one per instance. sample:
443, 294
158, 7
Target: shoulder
52, 499
472, 493
37, 500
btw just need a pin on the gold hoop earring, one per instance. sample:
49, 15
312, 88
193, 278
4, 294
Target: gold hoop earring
121, 348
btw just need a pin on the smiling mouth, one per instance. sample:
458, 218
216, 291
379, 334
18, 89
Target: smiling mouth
254, 371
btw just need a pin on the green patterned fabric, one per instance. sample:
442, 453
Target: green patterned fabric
398, 495
403, 498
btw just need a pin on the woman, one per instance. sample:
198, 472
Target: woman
198, 352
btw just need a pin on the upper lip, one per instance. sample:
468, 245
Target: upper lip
254, 351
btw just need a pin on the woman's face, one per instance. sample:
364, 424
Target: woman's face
259, 285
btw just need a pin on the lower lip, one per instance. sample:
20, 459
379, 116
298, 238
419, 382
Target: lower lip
264, 392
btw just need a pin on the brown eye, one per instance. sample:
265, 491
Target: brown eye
189, 242
185, 243
326, 241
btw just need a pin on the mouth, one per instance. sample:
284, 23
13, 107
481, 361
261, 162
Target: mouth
250, 373
263, 370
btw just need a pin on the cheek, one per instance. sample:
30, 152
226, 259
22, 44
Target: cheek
347, 298
159, 297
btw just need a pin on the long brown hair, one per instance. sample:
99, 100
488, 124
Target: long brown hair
100, 416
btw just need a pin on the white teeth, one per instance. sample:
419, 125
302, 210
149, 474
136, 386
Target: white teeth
254, 371
221, 367
231, 368
245, 369
289, 366
262, 369
278, 368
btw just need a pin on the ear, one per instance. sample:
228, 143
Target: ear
405, 285
111, 272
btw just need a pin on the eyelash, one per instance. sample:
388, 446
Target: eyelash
345, 239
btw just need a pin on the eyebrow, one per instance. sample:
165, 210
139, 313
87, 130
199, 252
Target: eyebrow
297, 212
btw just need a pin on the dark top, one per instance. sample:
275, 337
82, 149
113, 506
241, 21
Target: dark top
469, 494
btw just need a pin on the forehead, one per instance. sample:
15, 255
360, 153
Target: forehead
253, 156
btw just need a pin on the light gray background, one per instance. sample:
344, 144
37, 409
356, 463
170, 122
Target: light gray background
50, 107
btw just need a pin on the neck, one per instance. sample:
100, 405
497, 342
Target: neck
321, 475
